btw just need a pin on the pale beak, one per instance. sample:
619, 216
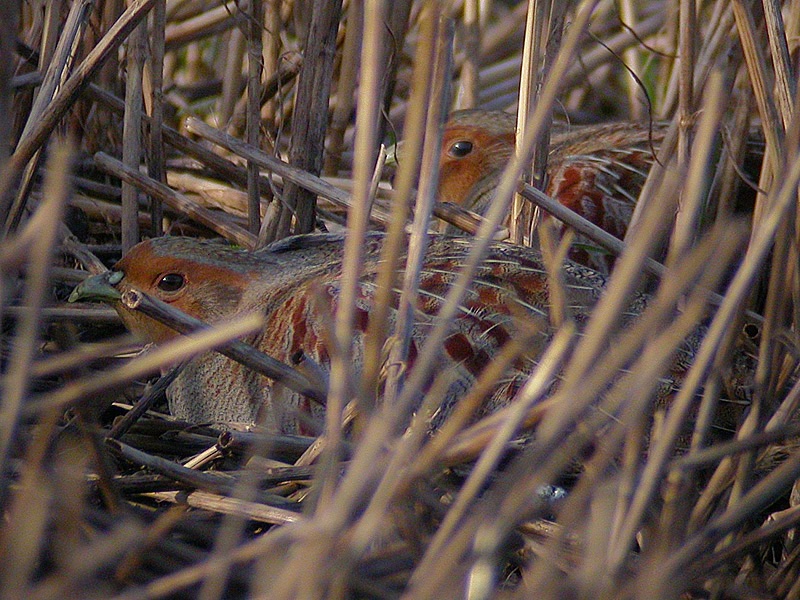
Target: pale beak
98, 288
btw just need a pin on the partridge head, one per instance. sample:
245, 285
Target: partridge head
476, 146
295, 285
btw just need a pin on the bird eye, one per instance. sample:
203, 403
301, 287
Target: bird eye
171, 282
460, 149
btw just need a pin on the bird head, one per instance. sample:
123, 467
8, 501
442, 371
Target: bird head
476, 146
196, 276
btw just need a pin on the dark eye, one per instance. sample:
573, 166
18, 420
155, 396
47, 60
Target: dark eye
460, 149
171, 282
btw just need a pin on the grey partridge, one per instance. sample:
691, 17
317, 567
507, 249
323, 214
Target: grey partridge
295, 284
595, 170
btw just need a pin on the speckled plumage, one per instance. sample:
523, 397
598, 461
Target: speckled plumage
295, 285
595, 170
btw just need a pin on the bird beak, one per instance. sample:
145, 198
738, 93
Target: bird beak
393, 153
98, 288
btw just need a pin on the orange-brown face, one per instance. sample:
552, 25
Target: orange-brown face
475, 144
198, 287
